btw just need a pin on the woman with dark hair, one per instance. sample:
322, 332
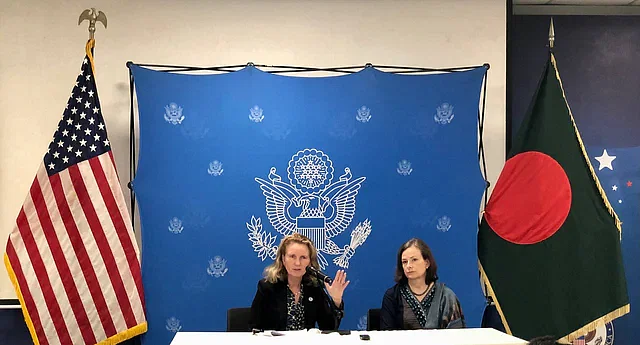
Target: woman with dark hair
418, 301
289, 298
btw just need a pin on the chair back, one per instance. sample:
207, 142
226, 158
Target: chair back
238, 319
373, 320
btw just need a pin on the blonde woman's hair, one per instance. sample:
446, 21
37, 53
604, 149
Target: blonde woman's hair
277, 272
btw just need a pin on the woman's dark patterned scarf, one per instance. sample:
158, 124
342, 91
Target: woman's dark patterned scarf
295, 311
419, 308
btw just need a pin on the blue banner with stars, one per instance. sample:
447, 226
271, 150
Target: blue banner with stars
618, 170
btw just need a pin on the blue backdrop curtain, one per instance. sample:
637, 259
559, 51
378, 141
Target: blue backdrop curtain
360, 163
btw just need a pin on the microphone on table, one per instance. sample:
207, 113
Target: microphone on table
323, 277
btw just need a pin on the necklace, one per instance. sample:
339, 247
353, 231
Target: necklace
422, 293
295, 293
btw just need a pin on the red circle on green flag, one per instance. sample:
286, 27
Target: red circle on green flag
531, 200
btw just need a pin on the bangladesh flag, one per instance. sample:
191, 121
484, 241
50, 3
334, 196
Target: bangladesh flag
549, 240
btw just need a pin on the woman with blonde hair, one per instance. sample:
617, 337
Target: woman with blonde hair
289, 298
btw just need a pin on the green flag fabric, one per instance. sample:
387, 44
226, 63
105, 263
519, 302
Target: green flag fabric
549, 240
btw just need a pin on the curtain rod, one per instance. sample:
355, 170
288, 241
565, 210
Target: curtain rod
298, 69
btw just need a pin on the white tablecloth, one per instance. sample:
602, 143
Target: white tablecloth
468, 336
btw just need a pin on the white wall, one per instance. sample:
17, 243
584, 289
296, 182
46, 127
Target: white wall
41, 49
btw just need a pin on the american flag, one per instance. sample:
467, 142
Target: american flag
579, 341
72, 255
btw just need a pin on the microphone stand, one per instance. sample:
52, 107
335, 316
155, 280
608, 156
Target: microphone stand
335, 310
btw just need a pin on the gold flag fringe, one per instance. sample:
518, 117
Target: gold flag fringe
591, 326
584, 153
491, 293
14, 281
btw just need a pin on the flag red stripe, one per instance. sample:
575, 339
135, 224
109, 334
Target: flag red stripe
66, 278
137, 275
118, 221
113, 161
119, 227
30, 305
83, 257
101, 240
43, 278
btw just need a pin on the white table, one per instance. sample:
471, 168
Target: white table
468, 336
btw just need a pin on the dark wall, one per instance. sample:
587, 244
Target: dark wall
599, 62
13, 329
